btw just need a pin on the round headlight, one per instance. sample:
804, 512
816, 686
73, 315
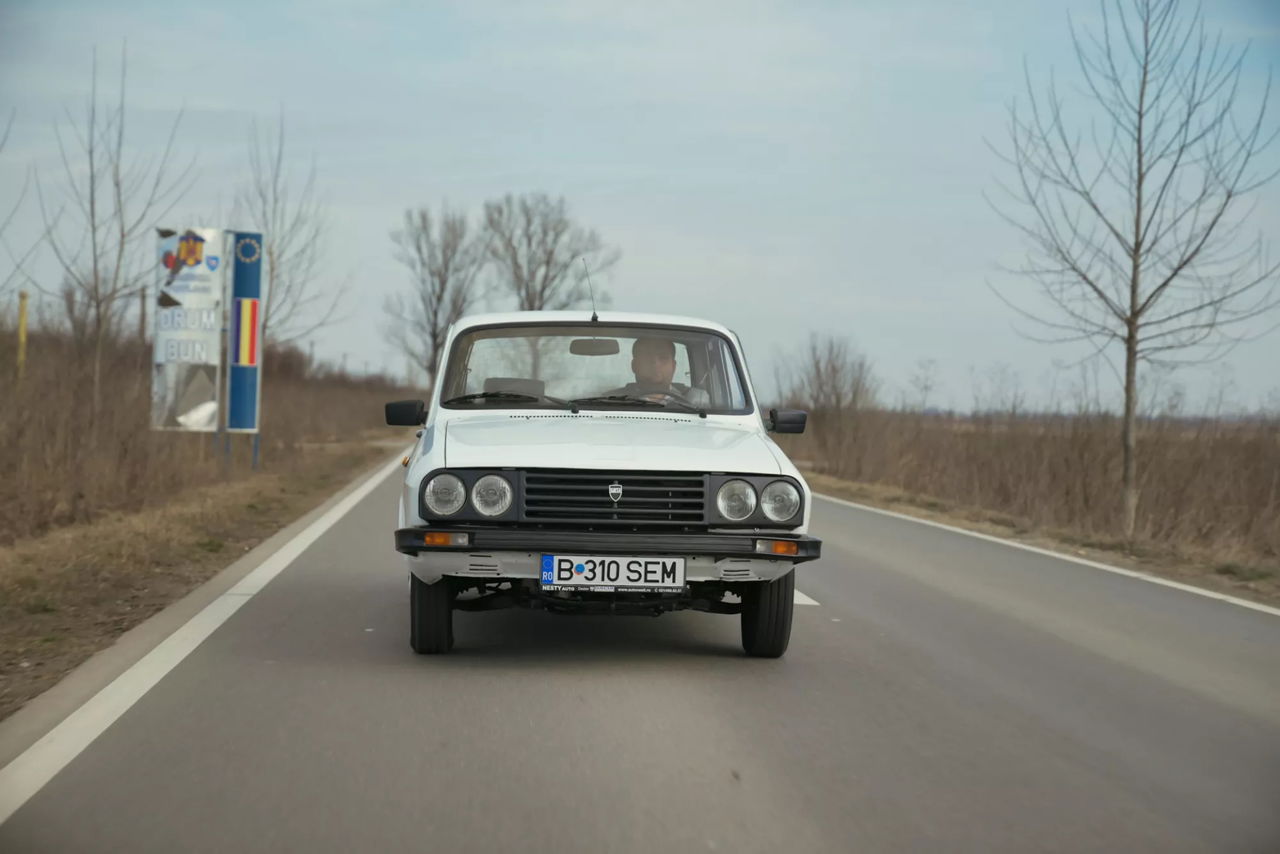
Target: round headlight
445, 494
491, 495
780, 501
736, 500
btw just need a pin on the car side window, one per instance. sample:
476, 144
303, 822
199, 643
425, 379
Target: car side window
718, 379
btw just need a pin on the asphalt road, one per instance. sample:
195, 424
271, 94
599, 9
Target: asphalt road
947, 694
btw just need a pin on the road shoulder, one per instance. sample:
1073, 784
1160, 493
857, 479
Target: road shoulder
42, 713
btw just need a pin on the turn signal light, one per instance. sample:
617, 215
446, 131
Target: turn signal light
445, 538
777, 547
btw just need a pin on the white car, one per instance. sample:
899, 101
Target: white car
614, 464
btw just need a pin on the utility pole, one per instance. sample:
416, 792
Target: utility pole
22, 333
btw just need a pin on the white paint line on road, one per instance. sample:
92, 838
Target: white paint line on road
802, 599
1129, 573
28, 773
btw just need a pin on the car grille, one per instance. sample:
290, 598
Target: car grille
648, 498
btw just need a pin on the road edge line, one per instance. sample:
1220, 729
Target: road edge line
32, 769
1105, 567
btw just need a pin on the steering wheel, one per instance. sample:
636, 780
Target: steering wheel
651, 395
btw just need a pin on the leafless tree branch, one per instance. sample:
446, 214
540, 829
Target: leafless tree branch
98, 234
444, 260
292, 220
1134, 229
534, 246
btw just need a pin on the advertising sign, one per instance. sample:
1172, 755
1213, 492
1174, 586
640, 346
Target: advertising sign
186, 367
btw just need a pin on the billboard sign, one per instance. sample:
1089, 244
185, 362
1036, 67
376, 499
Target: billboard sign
187, 356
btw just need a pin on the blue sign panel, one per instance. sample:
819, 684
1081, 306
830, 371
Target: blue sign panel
244, 342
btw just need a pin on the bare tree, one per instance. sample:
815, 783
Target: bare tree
1134, 213
829, 376
997, 391
6, 219
838, 386
535, 247
291, 218
443, 262
100, 235
923, 381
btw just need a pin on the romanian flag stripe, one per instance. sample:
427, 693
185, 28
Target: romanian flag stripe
247, 332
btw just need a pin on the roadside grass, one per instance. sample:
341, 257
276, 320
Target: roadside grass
1208, 484
1247, 577
75, 589
67, 462
1244, 573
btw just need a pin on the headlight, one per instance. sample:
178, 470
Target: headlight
445, 494
736, 500
492, 495
780, 501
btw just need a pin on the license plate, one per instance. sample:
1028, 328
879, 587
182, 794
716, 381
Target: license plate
611, 573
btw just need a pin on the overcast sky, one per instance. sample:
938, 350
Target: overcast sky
782, 167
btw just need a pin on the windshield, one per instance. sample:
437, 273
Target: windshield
598, 365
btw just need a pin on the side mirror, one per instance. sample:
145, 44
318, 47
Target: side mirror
787, 420
406, 413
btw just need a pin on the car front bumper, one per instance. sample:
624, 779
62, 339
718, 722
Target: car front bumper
517, 553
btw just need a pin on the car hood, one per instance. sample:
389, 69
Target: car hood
594, 440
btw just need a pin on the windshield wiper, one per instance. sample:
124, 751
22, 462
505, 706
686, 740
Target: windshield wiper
686, 406
628, 400
505, 395
616, 399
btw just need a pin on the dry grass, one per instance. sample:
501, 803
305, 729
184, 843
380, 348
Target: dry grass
1205, 487
1209, 487
1252, 579
62, 465
71, 592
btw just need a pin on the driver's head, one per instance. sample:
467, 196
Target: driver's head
653, 361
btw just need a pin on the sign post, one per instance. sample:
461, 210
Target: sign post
22, 334
244, 344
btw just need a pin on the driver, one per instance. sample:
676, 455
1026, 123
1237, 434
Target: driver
653, 361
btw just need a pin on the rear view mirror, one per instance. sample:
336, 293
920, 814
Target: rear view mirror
406, 413
593, 346
787, 420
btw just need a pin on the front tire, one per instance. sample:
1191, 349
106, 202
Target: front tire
430, 616
766, 616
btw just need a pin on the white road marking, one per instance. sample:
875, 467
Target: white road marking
802, 599
1129, 573
28, 773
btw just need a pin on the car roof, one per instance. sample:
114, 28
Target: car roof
583, 315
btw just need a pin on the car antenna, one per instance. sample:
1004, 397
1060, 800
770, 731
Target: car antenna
594, 317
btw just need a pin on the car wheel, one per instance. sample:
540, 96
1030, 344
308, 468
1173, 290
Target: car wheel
430, 616
766, 616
